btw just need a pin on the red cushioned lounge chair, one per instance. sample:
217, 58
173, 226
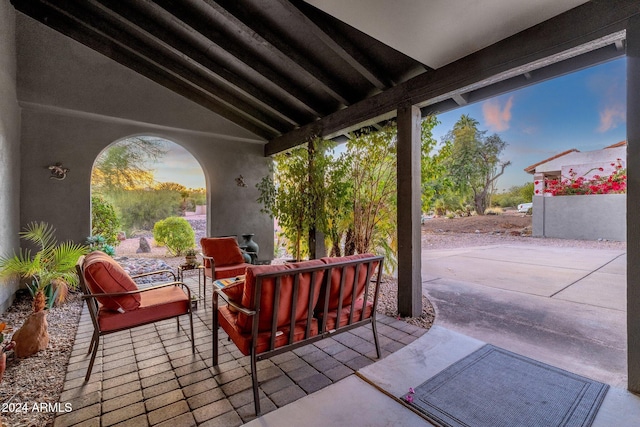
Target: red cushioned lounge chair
115, 302
222, 258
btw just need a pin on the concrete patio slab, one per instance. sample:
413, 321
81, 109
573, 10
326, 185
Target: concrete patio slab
349, 402
545, 256
598, 289
529, 278
616, 266
488, 294
419, 361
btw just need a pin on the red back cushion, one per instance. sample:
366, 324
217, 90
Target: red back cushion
234, 291
223, 250
336, 277
103, 275
286, 294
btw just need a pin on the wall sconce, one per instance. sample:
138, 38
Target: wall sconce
58, 171
240, 181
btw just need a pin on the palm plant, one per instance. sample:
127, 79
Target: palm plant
52, 267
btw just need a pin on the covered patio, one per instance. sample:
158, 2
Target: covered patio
148, 375
235, 82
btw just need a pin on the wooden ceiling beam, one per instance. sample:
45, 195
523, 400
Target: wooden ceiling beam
554, 40
371, 74
131, 37
220, 27
259, 31
157, 23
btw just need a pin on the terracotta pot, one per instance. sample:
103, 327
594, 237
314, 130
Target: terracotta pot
3, 364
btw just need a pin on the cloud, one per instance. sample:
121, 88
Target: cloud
611, 117
497, 118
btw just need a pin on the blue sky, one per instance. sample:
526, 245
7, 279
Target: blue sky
584, 110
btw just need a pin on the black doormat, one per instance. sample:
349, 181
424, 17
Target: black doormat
493, 387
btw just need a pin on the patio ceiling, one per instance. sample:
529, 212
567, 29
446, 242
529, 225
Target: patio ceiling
286, 70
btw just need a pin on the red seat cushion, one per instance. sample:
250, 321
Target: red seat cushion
227, 270
103, 275
223, 250
336, 277
345, 314
229, 322
155, 304
267, 297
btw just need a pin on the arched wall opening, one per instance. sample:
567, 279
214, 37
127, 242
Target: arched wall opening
139, 180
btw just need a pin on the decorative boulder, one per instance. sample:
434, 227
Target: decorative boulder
144, 247
32, 336
121, 236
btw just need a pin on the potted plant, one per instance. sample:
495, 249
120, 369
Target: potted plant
191, 258
51, 271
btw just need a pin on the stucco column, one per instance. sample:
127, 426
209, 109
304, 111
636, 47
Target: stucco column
633, 201
409, 248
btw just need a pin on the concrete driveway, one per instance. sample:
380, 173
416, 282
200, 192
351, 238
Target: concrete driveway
562, 306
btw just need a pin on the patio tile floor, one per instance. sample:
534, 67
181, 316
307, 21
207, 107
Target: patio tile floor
148, 376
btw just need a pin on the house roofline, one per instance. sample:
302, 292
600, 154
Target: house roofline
531, 169
617, 144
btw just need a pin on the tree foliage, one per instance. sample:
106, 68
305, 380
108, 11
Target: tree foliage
125, 165
141, 209
514, 196
373, 175
104, 220
437, 185
474, 163
296, 192
352, 198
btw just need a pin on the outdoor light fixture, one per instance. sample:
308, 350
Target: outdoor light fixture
58, 171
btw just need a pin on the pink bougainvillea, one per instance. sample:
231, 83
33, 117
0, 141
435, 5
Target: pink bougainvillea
616, 183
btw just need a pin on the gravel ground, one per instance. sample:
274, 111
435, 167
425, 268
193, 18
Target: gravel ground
39, 379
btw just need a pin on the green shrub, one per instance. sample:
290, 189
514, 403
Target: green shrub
104, 221
175, 233
141, 209
99, 243
493, 211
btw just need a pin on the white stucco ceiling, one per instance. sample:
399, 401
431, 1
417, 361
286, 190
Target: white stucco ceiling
437, 32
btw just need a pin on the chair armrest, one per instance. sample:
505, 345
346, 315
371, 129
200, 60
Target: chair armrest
151, 273
239, 307
137, 291
212, 262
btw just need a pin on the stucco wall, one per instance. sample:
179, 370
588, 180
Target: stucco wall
9, 147
592, 217
76, 102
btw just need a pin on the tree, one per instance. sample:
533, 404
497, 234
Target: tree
372, 158
286, 196
338, 203
124, 165
436, 183
474, 163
